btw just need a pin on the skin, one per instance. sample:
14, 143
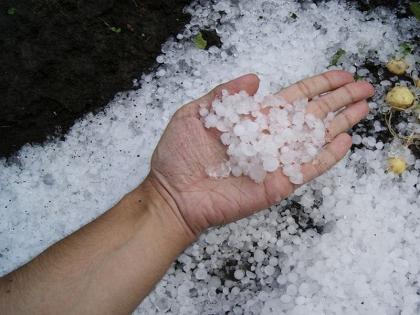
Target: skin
110, 265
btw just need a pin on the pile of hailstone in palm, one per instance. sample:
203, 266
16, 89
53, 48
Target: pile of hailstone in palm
262, 135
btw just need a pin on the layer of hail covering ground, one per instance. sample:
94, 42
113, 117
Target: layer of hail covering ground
347, 243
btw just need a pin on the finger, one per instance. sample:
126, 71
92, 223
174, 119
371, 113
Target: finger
329, 156
313, 86
343, 96
347, 118
248, 83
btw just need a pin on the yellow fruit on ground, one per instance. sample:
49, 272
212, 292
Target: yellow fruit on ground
397, 165
397, 66
400, 98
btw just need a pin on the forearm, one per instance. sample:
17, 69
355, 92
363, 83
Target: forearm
107, 267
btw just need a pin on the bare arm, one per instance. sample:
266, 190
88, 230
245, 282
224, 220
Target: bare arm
107, 267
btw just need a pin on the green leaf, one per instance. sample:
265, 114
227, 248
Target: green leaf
115, 29
337, 56
199, 41
406, 49
415, 8
11, 11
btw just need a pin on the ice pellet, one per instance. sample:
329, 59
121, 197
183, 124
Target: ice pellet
266, 135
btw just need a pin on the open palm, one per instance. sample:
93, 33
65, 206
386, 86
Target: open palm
187, 148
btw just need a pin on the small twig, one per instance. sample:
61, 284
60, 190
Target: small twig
111, 28
409, 140
105, 22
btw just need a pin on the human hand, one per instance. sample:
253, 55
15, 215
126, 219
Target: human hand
178, 168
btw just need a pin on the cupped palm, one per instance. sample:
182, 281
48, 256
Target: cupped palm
187, 148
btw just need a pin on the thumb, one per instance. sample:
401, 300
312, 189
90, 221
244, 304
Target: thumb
248, 83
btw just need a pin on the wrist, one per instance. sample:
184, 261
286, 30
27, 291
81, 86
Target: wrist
163, 216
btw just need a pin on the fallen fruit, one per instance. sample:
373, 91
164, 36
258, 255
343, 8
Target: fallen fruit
400, 98
397, 165
397, 66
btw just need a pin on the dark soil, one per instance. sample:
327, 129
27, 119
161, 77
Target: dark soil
211, 38
63, 58
401, 6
